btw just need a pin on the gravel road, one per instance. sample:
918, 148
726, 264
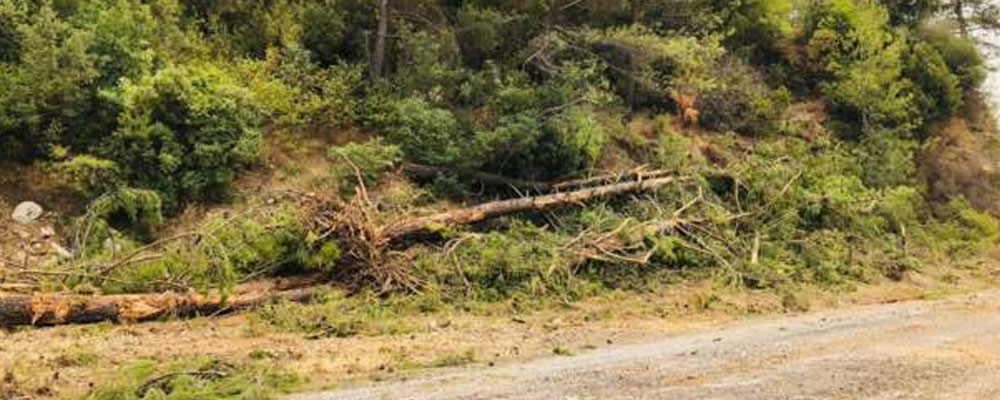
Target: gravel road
944, 349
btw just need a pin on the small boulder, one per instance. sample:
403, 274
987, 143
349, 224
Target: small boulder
26, 212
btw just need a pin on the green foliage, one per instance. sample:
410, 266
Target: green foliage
742, 102
147, 106
962, 231
371, 159
336, 315
960, 53
295, 92
198, 378
755, 27
429, 63
185, 132
887, 158
648, 66
525, 261
11, 14
225, 249
89, 174
125, 208
480, 34
427, 134
46, 92
938, 93
910, 12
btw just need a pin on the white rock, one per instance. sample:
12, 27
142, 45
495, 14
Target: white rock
26, 212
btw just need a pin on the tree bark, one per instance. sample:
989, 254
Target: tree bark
958, 7
42, 309
378, 58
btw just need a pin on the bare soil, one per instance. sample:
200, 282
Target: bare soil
945, 349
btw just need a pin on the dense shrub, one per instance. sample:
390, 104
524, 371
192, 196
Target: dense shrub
298, 93
427, 134
741, 102
960, 53
859, 61
185, 132
646, 66
887, 158
428, 63
10, 40
47, 91
755, 27
937, 92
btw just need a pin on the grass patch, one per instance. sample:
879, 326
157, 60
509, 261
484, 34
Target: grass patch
200, 378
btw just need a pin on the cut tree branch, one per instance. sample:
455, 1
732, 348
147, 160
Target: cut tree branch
482, 212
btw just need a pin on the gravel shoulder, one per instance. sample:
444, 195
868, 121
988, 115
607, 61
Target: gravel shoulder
943, 349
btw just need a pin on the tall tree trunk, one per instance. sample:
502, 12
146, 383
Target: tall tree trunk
958, 8
378, 58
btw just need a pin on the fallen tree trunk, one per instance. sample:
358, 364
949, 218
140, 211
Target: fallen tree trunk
428, 172
43, 309
495, 209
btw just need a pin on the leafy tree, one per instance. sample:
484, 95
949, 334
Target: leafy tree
46, 91
185, 132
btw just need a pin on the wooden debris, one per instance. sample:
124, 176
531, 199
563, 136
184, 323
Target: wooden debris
428, 172
43, 309
485, 211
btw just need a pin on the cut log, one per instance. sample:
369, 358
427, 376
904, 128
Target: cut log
42, 309
495, 209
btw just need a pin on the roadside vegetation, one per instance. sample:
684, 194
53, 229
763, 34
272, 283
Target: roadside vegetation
197, 146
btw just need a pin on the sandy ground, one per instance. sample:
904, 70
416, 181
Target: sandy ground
945, 349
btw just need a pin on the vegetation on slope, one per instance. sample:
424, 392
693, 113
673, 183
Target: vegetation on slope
831, 141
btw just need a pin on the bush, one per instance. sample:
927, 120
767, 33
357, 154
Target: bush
10, 39
185, 132
336, 31
960, 53
298, 93
859, 63
742, 102
887, 158
47, 91
937, 93
427, 134
428, 63
646, 66
480, 34
529, 146
372, 159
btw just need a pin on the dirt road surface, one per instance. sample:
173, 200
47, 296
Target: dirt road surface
944, 349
